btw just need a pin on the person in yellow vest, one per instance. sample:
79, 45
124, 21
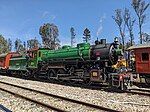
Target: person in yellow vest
121, 63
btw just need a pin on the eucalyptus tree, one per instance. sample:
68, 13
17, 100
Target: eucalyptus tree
3, 45
33, 43
121, 25
9, 44
140, 7
20, 47
49, 34
129, 21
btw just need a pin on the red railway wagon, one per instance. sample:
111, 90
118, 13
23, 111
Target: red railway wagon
142, 61
4, 60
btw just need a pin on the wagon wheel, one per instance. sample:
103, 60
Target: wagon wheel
60, 71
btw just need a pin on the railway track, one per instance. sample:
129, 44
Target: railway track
4, 109
144, 92
77, 102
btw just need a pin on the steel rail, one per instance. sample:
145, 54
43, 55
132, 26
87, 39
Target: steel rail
4, 108
64, 98
138, 93
33, 100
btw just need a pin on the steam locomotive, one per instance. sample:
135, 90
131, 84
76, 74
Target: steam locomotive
86, 63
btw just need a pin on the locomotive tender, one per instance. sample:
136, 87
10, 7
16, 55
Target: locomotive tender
85, 62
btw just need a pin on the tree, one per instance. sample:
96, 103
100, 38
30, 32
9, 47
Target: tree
19, 47
49, 34
33, 43
129, 21
121, 25
24, 45
146, 37
3, 45
17, 44
86, 35
140, 7
72, 36
9, 43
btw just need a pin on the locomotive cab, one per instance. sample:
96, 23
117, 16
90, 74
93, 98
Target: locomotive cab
32, 58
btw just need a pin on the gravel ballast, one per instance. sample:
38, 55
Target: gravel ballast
113, 100
16, 104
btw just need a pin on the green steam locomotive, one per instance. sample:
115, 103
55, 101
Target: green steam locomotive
85, 62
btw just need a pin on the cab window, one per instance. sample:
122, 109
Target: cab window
31, 54
145, 57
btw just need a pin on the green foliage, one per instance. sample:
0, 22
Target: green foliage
3, 45
86, 35
19, 47
33, 43
49, 34
140, 7
9, 42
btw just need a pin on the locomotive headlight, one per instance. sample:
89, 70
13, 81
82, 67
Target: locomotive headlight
94, 74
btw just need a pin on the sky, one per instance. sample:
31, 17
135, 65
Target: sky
22, 18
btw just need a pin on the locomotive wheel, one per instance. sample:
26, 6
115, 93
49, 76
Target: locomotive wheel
61, 71
51, 74
20, 73
86, 82
27, 75
71, 82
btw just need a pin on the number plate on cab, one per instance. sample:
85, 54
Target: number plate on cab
94, 74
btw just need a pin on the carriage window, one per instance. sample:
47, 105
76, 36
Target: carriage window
145, 56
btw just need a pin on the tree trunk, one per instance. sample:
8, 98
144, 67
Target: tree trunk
140, 27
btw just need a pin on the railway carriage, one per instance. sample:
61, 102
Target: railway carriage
5, 61
142, 62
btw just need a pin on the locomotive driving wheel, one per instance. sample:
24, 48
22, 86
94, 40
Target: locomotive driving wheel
51, 74
86, 82
60, 71
26, 74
